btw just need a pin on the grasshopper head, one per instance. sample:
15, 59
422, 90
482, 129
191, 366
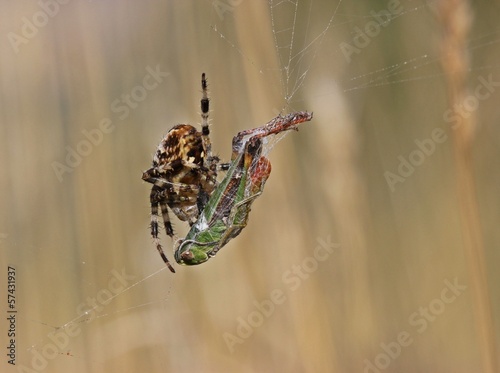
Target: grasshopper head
190, 252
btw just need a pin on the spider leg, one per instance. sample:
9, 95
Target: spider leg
166, 219
223, 166
174, 167
153, 176
205, 130
154, 225
162, 184
205, 108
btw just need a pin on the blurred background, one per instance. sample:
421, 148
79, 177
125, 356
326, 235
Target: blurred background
353, 259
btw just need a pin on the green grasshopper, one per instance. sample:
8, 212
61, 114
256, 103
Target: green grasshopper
226, 212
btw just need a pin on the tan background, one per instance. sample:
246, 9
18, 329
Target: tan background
394, 250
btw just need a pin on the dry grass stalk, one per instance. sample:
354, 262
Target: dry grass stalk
455, 17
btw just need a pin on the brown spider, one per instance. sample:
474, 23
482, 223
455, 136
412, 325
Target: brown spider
184, 173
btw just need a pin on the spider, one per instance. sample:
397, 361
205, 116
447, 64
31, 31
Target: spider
184, 173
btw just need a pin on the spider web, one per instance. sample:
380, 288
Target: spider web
297, 39
296, 49
301, 41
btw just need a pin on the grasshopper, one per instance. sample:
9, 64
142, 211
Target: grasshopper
225, 214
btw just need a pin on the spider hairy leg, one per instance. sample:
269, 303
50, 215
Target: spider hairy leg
205, 108
223, 166
154, 227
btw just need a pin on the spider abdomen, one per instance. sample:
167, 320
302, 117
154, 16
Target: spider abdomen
182, 143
